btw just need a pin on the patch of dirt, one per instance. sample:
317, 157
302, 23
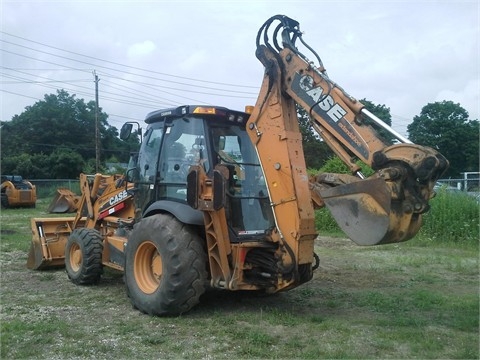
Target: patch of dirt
39, 293
101, 317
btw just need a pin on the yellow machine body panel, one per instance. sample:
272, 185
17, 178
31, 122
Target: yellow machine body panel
17, 192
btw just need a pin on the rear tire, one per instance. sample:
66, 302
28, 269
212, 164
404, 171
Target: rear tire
165, 266
83, 256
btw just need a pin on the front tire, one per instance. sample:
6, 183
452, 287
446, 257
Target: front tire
83, 256
165, 266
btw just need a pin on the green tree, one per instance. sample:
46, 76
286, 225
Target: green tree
315, 150
29, 166
383, 113
66, 163
59, 127
445, 126
58, 120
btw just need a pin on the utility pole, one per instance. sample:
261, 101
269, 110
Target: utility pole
97, 127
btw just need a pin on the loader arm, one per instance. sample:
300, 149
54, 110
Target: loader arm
384, 208
105, 204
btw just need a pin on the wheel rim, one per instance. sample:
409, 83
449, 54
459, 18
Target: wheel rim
147, 267
75, 257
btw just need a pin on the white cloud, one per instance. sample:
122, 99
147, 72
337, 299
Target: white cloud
403, 54
141, 49
468, 97
196, 60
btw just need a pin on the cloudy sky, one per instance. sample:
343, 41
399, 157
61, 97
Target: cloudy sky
155, 54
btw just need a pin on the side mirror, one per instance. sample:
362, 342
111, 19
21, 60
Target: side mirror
131, 175
126, 131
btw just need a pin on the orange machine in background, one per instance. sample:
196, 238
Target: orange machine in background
17, 192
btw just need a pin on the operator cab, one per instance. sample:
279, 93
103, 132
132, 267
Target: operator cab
178, 138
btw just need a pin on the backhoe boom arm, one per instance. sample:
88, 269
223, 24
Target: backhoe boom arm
385, 208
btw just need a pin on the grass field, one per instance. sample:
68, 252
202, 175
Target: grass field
418, 299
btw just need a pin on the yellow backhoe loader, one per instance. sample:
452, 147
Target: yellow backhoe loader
221, 198
17, 192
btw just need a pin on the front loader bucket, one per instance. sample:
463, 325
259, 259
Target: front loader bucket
49, 237
35, 256
365, 212
65, 201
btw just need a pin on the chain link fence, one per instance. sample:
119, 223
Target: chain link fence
47, 188
470, 182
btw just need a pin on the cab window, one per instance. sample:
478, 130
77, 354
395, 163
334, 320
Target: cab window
147, 161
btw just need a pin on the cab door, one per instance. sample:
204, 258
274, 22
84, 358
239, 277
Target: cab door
147, 167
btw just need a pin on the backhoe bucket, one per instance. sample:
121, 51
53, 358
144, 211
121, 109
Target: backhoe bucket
365, 212
49, 237
65, 201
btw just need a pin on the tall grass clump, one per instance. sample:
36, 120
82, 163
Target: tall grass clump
453, 218
325, 224
337, 166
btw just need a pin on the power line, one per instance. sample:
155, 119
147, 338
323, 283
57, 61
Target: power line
152, 87
14, 93
126, 66
128, 99
37, 59
44, 69
151, 95
148, 84
39, 82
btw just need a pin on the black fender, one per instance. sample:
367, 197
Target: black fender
183, 212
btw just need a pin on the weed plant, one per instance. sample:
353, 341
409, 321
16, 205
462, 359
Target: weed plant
326, 224
452, 219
